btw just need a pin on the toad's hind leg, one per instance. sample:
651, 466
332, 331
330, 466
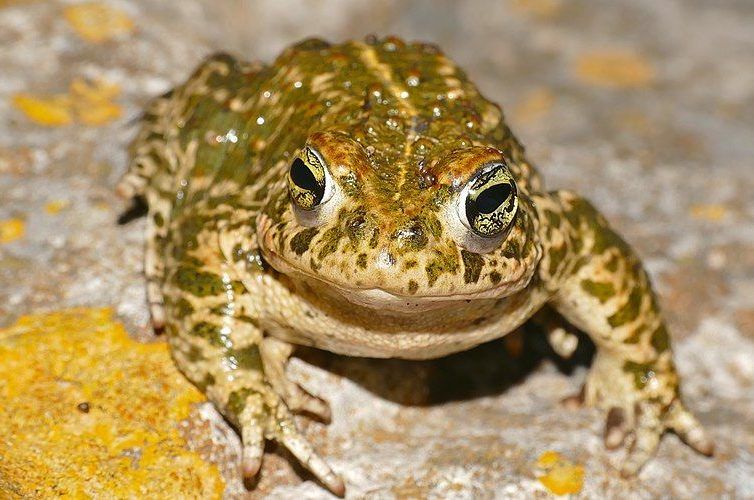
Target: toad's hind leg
600, 286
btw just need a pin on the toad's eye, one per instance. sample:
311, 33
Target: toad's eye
489, 201
307, 180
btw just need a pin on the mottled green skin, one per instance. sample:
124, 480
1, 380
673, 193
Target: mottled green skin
236, 270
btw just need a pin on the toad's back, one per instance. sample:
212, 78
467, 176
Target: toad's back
407, 104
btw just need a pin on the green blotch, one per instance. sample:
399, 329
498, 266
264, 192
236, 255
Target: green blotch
601, 291
247, 358
630, 310
472, 266
612, 264
635, 336
237, 401
556, 256
198, 283
441, 264
512, 249
361, 260
642, 373
301, 240
195, 354
375, 239
553, 218
183, 307
433, 225
495, 277
660, 339
211, 333
413, 287
205, 382
159, 220
330, 241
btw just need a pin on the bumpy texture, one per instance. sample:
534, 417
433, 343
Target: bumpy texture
613, 99
371, 247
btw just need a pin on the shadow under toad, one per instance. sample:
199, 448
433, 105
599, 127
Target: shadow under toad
488, 369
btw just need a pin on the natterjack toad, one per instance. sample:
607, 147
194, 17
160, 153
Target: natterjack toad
364, 198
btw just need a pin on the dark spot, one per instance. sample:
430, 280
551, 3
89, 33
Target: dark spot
205, 382
137, 209
660, 339
361, 260
556, 256
83, 407
413, 286
195, 354
495, 277
472, 263
301, 240
159, 220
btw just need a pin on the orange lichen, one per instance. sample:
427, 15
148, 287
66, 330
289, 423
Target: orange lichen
614, 68
534, 105
709, 212
543, 9
86, 102
11, 230
96, 22
559, 475
88, 412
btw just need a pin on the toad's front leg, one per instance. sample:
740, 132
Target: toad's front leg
600, 286
217, 344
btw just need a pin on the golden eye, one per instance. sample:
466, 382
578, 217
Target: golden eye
307, 179
490, 202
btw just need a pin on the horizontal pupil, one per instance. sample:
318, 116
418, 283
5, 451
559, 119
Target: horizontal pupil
491, 198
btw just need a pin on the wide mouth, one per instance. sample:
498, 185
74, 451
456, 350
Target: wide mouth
377, 297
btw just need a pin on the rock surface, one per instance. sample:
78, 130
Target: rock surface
643, 106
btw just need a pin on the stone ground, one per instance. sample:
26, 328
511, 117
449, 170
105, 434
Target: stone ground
643, 106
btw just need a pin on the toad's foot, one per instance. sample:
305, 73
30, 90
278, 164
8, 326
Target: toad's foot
265, 416
638, 414
264, 411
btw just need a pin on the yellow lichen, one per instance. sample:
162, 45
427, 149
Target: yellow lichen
92, 101
614, 68
52, 111
54, 207
11, 230
86, 102
559, 475
89, 413
97, 23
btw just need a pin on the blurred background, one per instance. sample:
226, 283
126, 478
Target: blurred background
645, 107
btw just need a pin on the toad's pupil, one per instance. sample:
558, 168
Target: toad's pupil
303, 177
491, 198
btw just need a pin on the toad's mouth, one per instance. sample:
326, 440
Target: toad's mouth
378, 298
